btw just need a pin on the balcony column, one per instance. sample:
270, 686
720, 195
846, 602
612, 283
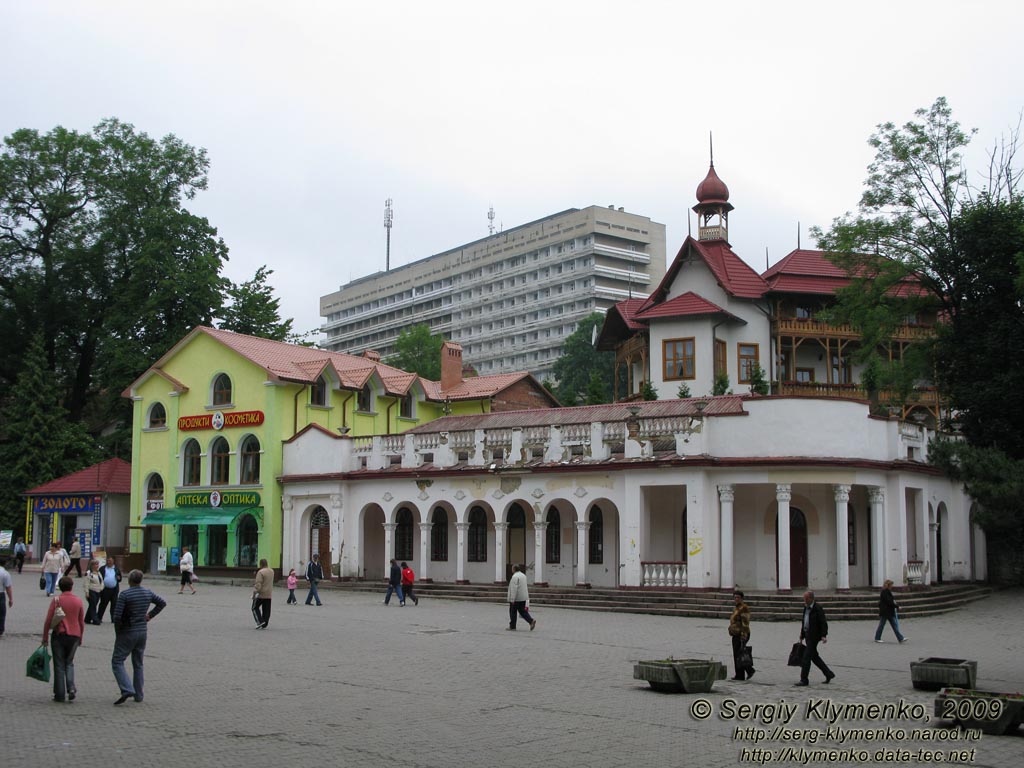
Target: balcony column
582, 551
842, 497
783, 495
460, 562
499, 552
876, 497
389, 538
425, 529
540, 528
726, 495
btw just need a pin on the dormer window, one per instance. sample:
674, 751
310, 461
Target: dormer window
364, 402
318, 393
222, 390
408, 407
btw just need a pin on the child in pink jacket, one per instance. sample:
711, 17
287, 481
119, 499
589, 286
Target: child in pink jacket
293, 581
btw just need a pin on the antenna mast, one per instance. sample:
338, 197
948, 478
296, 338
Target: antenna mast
389, 219
490, 220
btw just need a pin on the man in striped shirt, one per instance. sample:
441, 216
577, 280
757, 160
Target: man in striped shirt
131, 615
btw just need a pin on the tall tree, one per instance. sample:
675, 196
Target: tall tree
99, 253
254, 310
417, 351
580, 363
37, 441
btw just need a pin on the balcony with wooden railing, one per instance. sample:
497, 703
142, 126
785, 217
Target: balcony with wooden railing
806, 328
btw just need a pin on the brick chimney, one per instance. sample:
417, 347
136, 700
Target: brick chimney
451, 365
372, 354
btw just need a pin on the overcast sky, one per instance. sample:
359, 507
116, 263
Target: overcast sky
313, 113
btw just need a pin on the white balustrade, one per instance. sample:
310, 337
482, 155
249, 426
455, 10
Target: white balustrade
663, 574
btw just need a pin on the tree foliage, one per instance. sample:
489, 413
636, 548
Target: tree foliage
580, 363
928, 242
254, 310
417, 351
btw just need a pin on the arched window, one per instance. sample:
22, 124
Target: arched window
222, 390
192, 462
320, 535
477, 535
157, 416
553, 537
403, 535
154, 492
248, 541
596, 534
439, 535
250, 472
318, 393
220, 462
407, 409
364, 402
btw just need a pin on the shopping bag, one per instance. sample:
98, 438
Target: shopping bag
796, 655
38, 665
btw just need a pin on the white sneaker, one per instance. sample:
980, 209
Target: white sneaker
879, 641
904, 640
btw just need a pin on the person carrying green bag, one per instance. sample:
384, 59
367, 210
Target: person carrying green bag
38, 664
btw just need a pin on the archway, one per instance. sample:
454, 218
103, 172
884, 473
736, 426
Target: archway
515, 549
320, 537
372, 543
797, 548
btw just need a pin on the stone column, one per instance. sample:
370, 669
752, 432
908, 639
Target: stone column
582, 552
842, 497
783, 495
540, 527
499, 552
460, 564
876, 497
389, 544
424, 563
726, 495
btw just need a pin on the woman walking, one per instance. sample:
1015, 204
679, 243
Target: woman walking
53, 565
93, 587
66, 637
889, 612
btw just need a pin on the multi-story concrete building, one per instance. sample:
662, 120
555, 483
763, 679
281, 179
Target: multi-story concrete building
511, 299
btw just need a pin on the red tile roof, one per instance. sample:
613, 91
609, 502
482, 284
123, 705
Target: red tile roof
806, 271
292, 362
687, 305
110, 476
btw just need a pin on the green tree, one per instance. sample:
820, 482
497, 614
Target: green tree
98, 252
37, 443
417, 351
597, 391
758, 382
254, 310
580, 362
720, 386
647, 391
684, 391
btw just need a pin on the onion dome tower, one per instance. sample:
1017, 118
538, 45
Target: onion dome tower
712, 206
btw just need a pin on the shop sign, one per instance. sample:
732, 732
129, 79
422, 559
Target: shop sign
66, 505
218, 499
219, 420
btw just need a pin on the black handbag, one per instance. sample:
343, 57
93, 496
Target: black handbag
42, 582
746, 660
796, 655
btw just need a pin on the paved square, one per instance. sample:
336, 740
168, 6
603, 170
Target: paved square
355, 683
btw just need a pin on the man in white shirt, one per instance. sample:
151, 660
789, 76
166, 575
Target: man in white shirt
518, 597
185, 565
6, 586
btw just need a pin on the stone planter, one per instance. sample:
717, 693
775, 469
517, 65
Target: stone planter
992, 713
934, 673
680, 675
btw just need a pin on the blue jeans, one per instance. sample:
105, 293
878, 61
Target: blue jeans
133, 643
51, 582
63, 648
313, 594
894, 622
394, 588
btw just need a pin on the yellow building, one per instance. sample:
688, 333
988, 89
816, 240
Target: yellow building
210, 418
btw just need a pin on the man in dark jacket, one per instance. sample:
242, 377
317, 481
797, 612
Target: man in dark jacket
813, 630
888, 611
395, 584
314, 573
111, 586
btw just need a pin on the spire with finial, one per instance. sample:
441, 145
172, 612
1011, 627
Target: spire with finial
713, 204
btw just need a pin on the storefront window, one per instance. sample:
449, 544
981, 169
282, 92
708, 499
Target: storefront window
188, 536
216, 545
248, 541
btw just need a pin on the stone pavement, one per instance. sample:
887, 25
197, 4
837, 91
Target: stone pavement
354, 683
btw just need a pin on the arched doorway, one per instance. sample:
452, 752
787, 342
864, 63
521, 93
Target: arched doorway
515, 551
797, 548
320, 537
248, 542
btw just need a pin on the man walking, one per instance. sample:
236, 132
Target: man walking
813, 630
131, 615
395, 584
6, 594
888, 611
20, 550
518, 597
111, 586
314, 573
262, 592
408, 579
185, 566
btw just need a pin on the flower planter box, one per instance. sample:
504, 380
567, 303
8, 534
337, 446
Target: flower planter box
992, 713
680, 675
934, 673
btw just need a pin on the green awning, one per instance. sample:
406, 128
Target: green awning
195, 515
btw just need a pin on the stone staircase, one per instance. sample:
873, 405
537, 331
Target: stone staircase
766, 606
